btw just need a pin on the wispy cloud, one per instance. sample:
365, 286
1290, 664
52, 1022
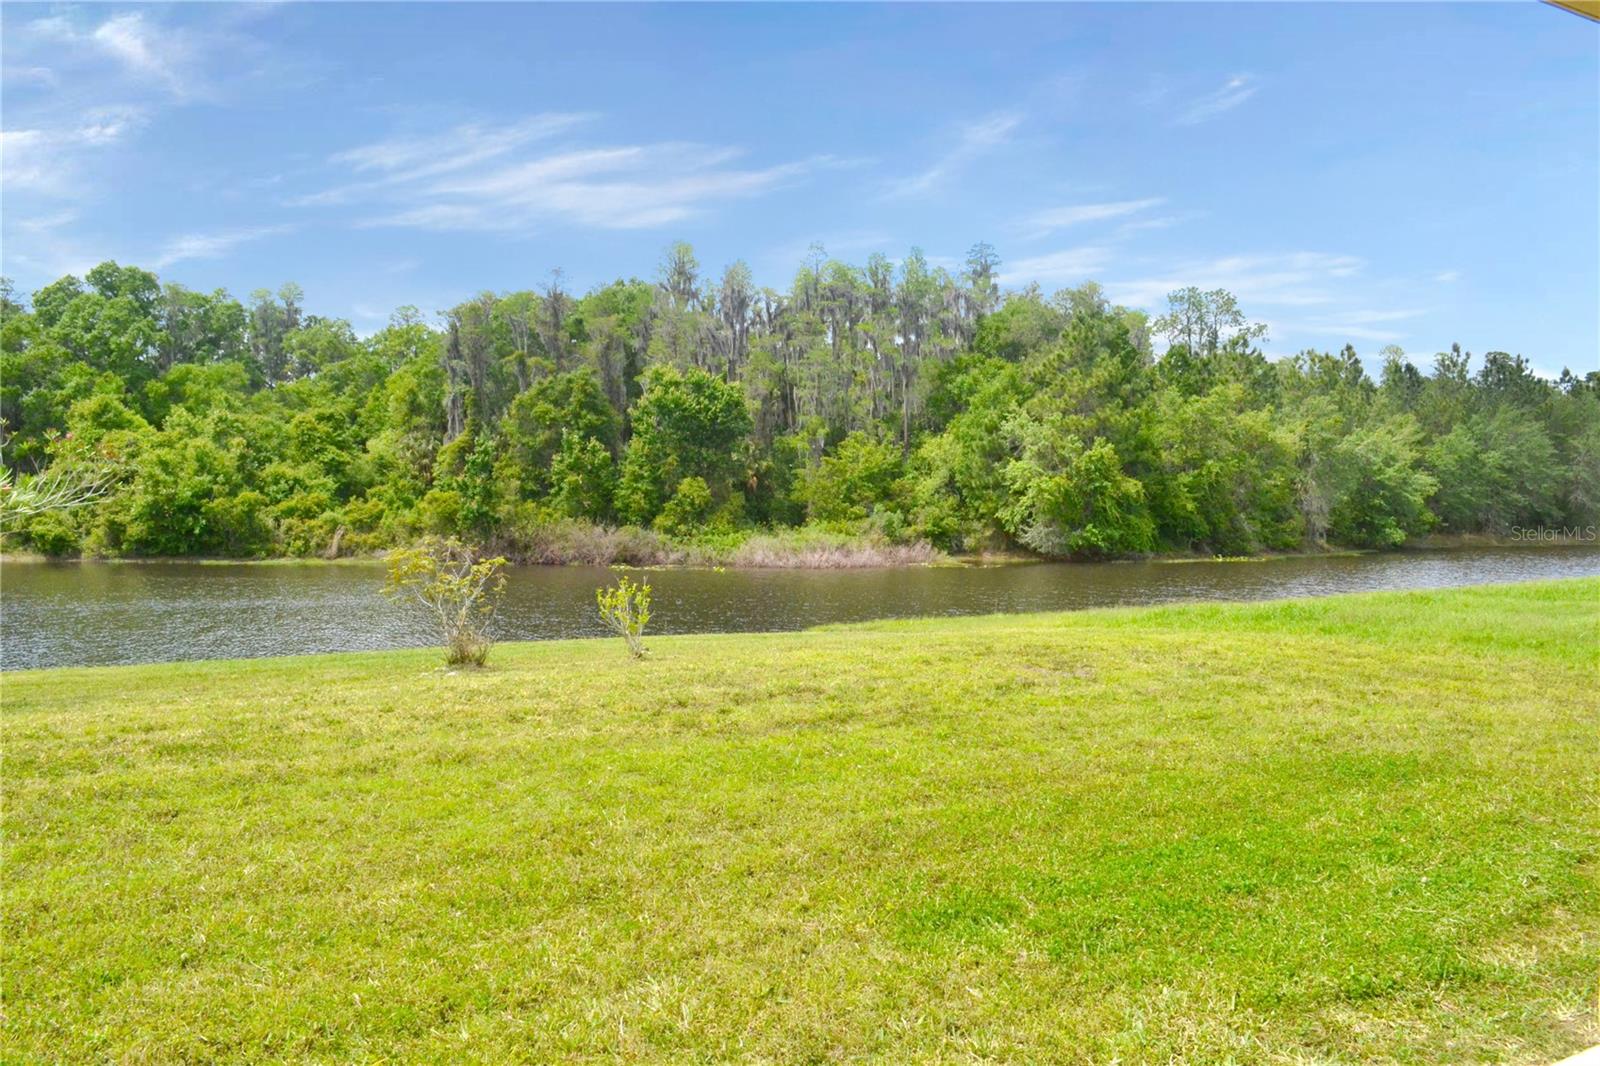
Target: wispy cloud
1360, 325
213, 245
158, 56
1367, 317
1066, 267
1296, 279
405, 160
40, 243
1077, 214
1235, 91
167, 56
1142, 225
972, 141
1447, 277
482, 177
43, 77
48, 160
847, 244
80, 81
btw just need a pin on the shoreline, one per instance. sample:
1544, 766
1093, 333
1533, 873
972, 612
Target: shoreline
845, 557
863, 560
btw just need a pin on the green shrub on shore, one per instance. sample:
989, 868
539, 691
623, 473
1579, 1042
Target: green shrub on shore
625, 610
457, 590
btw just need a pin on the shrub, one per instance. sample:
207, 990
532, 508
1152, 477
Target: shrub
1383, 490
625, 610
457, 590
53, 534
583, 478
687, 510
846, 485
238, 525
440, 511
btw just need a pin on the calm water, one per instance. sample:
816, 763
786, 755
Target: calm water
57, 614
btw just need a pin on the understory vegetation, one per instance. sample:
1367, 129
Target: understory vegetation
1355, 829
885, 412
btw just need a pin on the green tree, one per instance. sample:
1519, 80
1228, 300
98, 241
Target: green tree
1382, 491
1068, 499
687, 424
583, 478
538, 420
687, 510
847, 485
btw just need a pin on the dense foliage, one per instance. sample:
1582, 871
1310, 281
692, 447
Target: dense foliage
896, 402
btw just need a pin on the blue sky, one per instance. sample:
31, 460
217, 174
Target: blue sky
1374, 173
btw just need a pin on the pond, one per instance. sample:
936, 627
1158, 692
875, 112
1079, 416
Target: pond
61, 614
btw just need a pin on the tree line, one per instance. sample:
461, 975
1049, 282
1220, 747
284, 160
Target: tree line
898, 402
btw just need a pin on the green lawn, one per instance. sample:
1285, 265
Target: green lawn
1354, 829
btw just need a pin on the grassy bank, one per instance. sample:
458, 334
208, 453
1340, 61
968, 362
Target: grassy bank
1352, 829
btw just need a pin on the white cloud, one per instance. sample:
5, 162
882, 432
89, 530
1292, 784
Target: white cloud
44, 223
972, 140
1077, 214
1293, 280
168, 56
411, 159
78, 82
1446, 277
1299, 294
157, 56
47, 160
1359, 325
1162, 222
43, 77
481, 177
1235, 91
843, 243
1358, 333
212, 245
1369, 317
38, 244
1066, 267
24, 158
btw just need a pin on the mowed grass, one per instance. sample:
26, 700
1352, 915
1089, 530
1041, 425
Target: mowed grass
1353, 829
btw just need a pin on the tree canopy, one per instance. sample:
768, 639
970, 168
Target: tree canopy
893, 399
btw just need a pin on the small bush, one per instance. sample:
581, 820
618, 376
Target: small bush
625, 609
688, 509
457, 590
439, 511
53, 533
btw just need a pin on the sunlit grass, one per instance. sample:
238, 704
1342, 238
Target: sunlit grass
1350, 829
